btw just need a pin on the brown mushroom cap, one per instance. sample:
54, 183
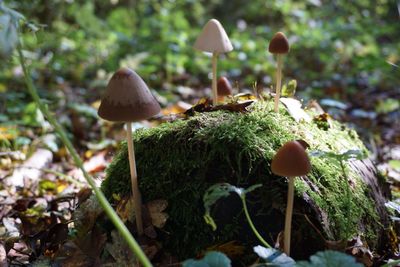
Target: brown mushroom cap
224, 87
291, 160
279, 44
127, 98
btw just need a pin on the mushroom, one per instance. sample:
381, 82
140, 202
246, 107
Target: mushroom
213, 39
128, 99
224, 88
279, 45
291, 160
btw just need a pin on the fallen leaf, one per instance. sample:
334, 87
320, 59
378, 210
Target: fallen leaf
96, 163
293, 106
125, 209
156, 208
360, 251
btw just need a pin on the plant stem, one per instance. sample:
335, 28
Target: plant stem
134, 246
246, 212
214, 78
137, 201
288, 217
278, 81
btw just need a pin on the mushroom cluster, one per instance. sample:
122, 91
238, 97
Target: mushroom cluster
128, 99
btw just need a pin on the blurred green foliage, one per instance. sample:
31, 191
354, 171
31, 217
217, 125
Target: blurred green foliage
334, 44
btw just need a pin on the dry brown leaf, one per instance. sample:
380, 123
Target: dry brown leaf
125, 209
156, 208
96, 163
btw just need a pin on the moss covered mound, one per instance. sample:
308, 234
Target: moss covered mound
178, 161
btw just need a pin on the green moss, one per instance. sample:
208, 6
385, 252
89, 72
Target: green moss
178, 161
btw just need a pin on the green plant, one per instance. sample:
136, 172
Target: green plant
217, 191
342, 158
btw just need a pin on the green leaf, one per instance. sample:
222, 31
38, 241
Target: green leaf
395, 164
221, 190
289, 89
387, 105
8, 35
84, 109
9, 23
194, 263
330, 258
211, 259
274, 257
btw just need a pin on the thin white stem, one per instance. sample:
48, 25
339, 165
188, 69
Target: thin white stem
214, 78
137, 201
278, 81
288, 219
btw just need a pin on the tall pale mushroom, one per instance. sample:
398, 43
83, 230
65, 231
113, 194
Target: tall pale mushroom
128, 99
213, 39
279, 45
291, 160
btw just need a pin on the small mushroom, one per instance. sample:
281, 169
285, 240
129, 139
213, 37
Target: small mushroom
213, 39
291, 160
279, 45
128, 99
224, 88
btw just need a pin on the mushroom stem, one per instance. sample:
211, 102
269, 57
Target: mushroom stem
288, 218
137, 202
278, 81
214, 78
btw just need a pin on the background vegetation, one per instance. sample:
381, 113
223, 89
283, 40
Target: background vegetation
338, 48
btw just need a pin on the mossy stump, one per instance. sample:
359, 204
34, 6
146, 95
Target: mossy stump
178, 161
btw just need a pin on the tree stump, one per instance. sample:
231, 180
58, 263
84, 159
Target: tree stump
177, 161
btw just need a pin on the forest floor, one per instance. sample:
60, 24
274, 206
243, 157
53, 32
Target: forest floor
40, 186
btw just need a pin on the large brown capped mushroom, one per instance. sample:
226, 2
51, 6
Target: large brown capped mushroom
213, 39
278, 45
128, 99
291, 160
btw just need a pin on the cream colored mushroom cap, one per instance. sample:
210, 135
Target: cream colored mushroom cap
213, 38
